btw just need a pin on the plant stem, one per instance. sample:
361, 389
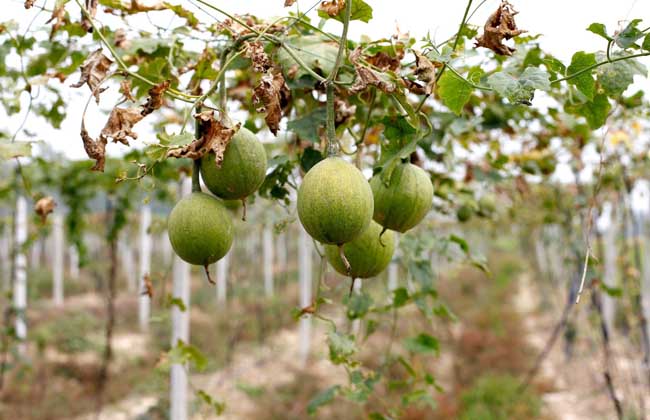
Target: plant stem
593, 66
332, 144
196, 168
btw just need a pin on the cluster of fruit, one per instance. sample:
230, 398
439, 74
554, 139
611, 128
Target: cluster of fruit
336, 206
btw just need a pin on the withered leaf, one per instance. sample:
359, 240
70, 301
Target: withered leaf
343, 111
93, 71
384, 62
120, 40
29, 4
58, 17
366, 76
413, 86
44, 207
288, 3
425, 71
148, 286
255, 51
95, 149
125, 90
91, 7
156, 98
120, 124
499, 26
332, 8
273, 93
215, 136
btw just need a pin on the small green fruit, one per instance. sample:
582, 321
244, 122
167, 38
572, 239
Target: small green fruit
406, 199
366, 254
487, 205
464, 213
243, 168
200, 229
334, 202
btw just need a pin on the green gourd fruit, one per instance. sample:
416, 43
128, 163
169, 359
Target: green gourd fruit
402, 201
366, 254
200, 229
334, 202
464, 213
243, 168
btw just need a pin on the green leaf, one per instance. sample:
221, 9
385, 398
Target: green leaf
358, 305
646, 43
462, 243
180, 11
218, 406
409, 369
400, 297
176, 301
422, 273
454, 91
341, 347
520, 90
585, 81
616, 77
423, 344
10, 150
309, 158
307, 127
322, 398
595, 112
360, 11
397, 128
628, 36
599, 29
186, 353
317, 52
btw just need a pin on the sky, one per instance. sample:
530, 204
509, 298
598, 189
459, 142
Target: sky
562, 23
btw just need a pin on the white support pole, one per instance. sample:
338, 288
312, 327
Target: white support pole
267, 245
607, 228
356, 324
281, 247
128, 262
222, 277
5, 246
35, 253
73, 256
58, 256
144, 266
180, 327
20, 274
166, 251
305, 247
393, 268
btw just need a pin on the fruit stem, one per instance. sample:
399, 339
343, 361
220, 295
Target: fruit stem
351, 287
196, 168
346, 263
381, 242
243, 203
206, 267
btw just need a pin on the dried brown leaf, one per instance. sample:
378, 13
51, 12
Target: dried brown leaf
58, 17
236, 29
44, 207
288, 3
343, 111
91, 7
367, 76
125, 90
332, 8
425, 71
215, 136
29, 4
121, 40
500, 26
95, 149
255, 51
413, 86
148, 286
156, 98
385, 62
120, 124
273, 93
93, 71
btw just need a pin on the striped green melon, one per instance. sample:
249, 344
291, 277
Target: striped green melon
243, 168
334, 201
200, 229
403, 200
366, 254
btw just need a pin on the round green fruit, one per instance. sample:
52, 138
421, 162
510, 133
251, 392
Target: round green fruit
200, 229
402, 201
464, 213
243, 168
334, 202
368, 255
487, 205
